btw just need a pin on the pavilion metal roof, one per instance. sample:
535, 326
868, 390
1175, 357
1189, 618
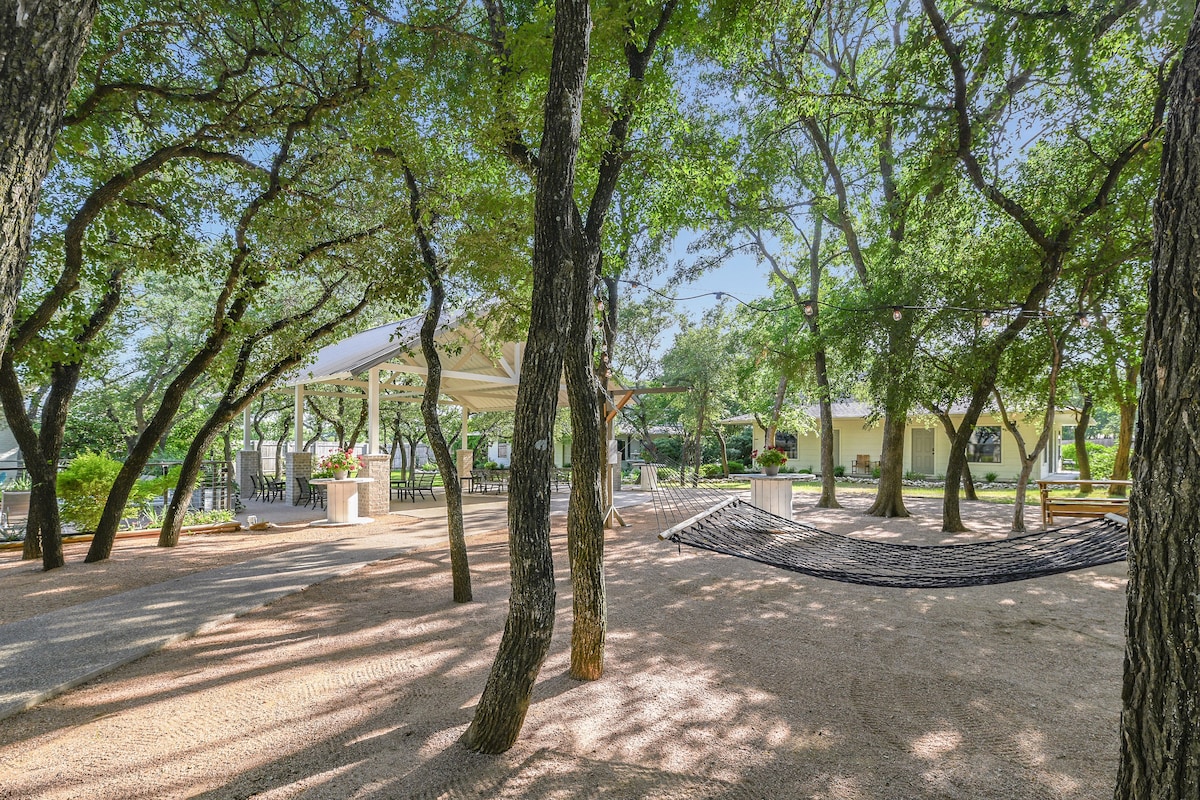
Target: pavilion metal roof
477, 374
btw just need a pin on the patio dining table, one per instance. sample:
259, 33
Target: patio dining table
342, 498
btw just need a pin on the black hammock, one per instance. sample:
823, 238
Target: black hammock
736, 528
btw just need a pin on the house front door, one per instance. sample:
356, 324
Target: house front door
922, 451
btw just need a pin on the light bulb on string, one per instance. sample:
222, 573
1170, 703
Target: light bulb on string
897, 313
809, 308
1083, 319
986, 319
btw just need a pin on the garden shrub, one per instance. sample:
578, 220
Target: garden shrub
83, 489
1100, 458
736, 467
909, 476
991, 477
839, 471
711, 470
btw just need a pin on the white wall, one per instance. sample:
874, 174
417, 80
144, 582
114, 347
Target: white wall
500, 452
10, 454
856, 438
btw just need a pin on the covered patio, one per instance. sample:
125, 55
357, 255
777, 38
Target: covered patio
378, 365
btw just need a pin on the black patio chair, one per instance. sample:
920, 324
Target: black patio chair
303, 492
399, 487
269, 489
422, 483
317, 493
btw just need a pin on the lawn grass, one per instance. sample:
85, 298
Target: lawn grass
1006, 496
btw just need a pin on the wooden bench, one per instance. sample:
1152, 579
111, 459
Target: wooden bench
1080, 506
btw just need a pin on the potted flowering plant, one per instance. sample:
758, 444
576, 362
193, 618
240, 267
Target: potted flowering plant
340, 462
771, 459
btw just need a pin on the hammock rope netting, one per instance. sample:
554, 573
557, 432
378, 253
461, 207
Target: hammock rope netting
694, 512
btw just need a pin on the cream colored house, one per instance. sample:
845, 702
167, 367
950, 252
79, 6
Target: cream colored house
858, 442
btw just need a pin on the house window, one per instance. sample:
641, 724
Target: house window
502, 450
787, 441
984, 446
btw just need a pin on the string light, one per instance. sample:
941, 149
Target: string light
810, 305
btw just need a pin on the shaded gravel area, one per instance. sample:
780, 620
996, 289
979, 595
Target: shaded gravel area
724, 679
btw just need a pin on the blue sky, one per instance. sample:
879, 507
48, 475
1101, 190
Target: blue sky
738, 276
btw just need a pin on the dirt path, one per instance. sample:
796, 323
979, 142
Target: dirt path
725, 679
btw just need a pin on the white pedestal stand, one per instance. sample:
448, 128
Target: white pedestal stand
648, 477
341, 501
773, 494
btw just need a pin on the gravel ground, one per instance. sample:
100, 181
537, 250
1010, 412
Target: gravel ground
724, 679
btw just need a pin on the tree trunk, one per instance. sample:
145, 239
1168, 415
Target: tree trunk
828, 497
723, 446
956, 464
1124, 445
968, 483
42, 448
1018, 520
189, 474
40, 47
889, 499
968, 480
828, 479
460, 571
131, 470
589, 450
1081, 454
1160, 718
279, 443
530, 623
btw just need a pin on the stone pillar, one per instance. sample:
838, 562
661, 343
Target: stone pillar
465, 463
375, 498
299, 465
249, 462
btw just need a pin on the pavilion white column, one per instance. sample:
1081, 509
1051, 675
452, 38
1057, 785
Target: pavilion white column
299, 418
248, 462
464, 458
373, 411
